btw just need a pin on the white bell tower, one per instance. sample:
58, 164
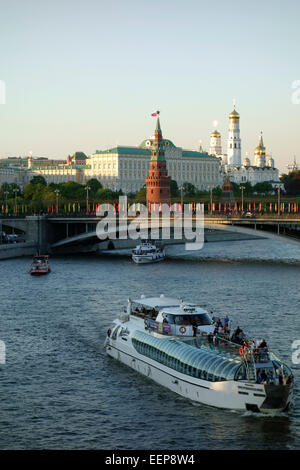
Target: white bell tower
215, 142
234, 152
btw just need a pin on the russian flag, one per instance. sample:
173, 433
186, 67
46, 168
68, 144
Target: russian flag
155, 114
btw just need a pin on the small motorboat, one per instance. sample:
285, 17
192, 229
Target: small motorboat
40, 265
148, 252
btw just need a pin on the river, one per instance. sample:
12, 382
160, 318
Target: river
59, 390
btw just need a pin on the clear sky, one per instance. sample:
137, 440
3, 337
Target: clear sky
86, 75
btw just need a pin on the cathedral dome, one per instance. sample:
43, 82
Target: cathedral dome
260, 149
215, 133
246, 161
234, 114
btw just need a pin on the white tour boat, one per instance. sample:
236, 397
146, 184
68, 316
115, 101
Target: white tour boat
148, 252
176, 345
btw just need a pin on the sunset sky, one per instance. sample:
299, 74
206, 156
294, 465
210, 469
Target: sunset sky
86, 75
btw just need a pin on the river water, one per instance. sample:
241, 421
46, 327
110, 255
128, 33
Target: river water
58, 388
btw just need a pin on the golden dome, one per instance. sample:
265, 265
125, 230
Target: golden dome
234, 114
260, 148
215, 133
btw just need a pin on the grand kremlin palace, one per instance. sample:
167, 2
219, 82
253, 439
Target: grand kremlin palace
126, 167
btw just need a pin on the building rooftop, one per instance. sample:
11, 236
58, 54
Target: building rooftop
127, 150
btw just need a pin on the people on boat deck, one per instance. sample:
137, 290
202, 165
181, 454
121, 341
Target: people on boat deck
270, 378
262, 377
263, 344
238, 336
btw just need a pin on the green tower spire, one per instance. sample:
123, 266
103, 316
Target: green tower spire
158, 152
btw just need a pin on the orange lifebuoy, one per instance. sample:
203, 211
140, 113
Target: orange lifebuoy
182, 329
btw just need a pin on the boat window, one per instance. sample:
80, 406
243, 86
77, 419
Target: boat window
189, 356
203, 359
123, 332
219, 368
199, 363
210, 360
197, 319
201, 319
115, 332
213, 365
171, 319
241, 373
182, 319
229, 370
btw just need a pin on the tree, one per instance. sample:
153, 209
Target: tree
53, 186
290, 182
94, 184
38, 179
263, 188
201, 192
141, 196
39, 191
217, 191
248, 189
294, 188
105, 194
72, 190
29, 191
189, 189
9, 187
174, 190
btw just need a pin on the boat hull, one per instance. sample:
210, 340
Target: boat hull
234, 395
39, 272
146, 260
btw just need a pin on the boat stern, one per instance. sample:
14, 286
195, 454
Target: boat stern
278, 398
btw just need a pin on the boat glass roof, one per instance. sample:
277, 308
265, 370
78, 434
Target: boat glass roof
200, 358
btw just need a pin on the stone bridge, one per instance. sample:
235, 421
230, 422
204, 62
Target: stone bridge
74, 234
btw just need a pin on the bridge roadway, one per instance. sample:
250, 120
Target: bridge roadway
248, 227
78, 233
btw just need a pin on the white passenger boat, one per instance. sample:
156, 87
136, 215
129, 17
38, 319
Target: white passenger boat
148, 252
176, 345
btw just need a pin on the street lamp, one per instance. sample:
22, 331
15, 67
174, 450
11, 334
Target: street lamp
242, 188
87, 198
211, 201
6, 193
57, 193
15, 190
181, 195
278, 192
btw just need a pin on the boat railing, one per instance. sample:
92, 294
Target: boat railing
248, 355
219, 342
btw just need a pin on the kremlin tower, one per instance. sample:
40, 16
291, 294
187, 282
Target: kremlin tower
234, 142
158, 182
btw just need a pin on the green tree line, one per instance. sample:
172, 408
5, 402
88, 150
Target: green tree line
38, 191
